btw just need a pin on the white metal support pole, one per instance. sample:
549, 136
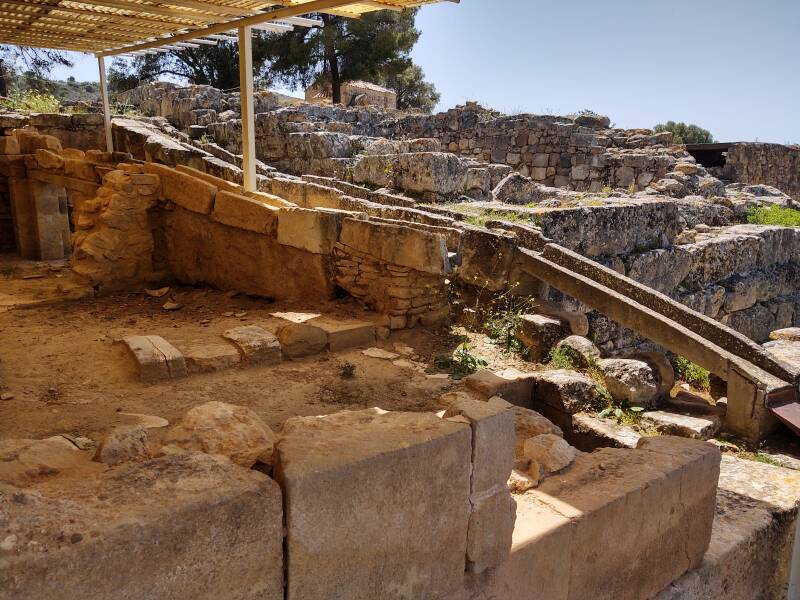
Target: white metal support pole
248, 118
101, 63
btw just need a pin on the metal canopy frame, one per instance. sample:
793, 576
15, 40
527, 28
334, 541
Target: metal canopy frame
135, 27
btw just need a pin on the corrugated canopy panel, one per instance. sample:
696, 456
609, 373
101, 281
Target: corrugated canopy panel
108, 27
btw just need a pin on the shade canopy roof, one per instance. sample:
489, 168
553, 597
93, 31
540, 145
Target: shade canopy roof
110, 27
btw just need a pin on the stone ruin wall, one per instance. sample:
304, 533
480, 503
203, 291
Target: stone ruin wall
768, 164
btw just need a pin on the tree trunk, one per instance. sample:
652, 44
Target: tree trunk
3, 86
333, 63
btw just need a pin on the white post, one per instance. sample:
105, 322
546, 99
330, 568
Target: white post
101, 63
248, 118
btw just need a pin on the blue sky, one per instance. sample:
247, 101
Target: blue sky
731, 66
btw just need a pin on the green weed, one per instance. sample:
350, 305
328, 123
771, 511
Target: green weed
691, 373
774, 215
33, 101
460, 364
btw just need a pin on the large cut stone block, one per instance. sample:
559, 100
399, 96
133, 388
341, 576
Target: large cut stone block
185, 527
245, 213
346, 333
183, 189
156, 359
377, 505
255, 344
311, 230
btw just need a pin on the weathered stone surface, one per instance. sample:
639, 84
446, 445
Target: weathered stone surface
529, 423
312, 230
652, 520
397, 245
255, 344
539, 334
564, 390
182, 526
789, 333
156, 358
24, 462
491, 526
183, 189
786, 350
245, 213
219, 428
302, 339
590, 432
509, 384
690, 426
580, 349
548, 452
125, 444
630, 380
210, 358
345, 333
752, 542
371, 497
518, 189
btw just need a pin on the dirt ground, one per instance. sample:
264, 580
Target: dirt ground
67, 373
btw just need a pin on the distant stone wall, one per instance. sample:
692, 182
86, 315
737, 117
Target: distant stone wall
84, 131
768, 164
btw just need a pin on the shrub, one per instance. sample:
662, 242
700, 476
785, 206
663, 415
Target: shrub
684, 133
33, 101
692, 374
774, 215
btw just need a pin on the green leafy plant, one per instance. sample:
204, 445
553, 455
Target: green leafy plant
502, 317
623, 413
206, 139
691, 373
460, 364
563, 357
774, 215
32, 100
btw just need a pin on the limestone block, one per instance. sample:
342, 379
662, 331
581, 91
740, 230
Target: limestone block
491, 526
580, 349
550, 452
511, 385
47, 159
529, 423
156, 358
256, 345
217, 182
312, 230
372, 497
268, 199
539, 334
493, 441
79, 169
789, 333
245, 213
566, 391
210, 358
219, 428
188, 526
397, 245
302, 339
125, 444
631, 380
345, 333
183, 189
9, 144
486, 258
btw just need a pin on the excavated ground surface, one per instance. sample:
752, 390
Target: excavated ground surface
68, 374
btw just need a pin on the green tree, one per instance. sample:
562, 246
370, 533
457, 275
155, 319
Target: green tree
211, 65
375, 47
413, 92
683, 133
36, 63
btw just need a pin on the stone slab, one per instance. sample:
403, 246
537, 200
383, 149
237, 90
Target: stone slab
210, 358
669, 423
183, 189
753, 551
377, 505
156, 358
345, 333
617, 525
312, 230
185, 527
246, 213
509, 384
256, 345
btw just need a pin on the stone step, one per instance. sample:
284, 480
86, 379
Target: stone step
683, 425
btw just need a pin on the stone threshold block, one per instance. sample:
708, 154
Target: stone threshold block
305, 334
255, 344
182, 527
156, 358
754, 548
377, 505
617, 525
